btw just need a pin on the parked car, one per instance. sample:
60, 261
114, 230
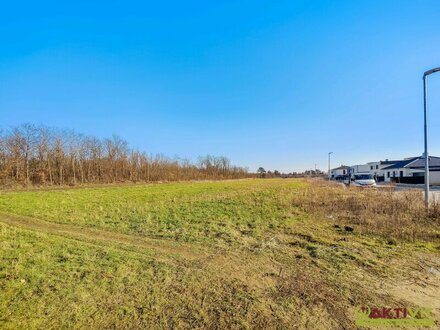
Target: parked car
361, 180
342, 178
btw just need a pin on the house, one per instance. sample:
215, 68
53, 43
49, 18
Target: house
408, 170
373, 168
412, 170
338, 171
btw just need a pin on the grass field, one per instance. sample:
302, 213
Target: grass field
232, 254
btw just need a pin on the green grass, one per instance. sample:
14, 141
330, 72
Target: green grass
188, 212
233, 254
52, 282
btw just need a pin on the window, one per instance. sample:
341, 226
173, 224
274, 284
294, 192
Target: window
363, 177
343, 171
401, 174
371, 167
377, 167
388, 174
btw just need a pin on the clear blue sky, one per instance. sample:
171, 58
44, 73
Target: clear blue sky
270, 83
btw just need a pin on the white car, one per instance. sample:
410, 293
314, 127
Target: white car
362, 180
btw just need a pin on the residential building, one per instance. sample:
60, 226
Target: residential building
338, 171
408, 170
412, 170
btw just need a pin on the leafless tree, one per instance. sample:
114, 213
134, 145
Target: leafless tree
47, 156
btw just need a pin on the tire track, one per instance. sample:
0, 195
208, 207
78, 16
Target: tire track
105, 237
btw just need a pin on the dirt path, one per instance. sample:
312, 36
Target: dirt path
92, 235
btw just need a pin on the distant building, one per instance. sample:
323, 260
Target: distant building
408, 170
373, 168
412, 170
339, 171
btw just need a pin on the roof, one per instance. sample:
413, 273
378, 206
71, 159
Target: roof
400, 163
389, 162
420, 162
342, 167
415, 162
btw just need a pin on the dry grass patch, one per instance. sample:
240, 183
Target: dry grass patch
395, 215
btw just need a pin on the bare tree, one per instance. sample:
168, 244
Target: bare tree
42, 155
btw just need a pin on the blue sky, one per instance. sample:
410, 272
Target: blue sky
267, 83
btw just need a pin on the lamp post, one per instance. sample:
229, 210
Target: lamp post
329, 175
425, 106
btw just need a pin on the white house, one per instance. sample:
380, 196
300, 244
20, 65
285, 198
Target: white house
373, 168
338, 171
365, 168
412, 170
408, 170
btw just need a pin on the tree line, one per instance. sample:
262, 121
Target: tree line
262, 173
41, 155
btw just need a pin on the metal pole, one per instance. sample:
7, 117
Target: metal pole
425, 110
425, 94
329, 175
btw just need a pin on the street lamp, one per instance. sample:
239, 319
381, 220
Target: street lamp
425, 92
329, 164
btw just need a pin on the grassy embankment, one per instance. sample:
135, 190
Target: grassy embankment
236, 254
